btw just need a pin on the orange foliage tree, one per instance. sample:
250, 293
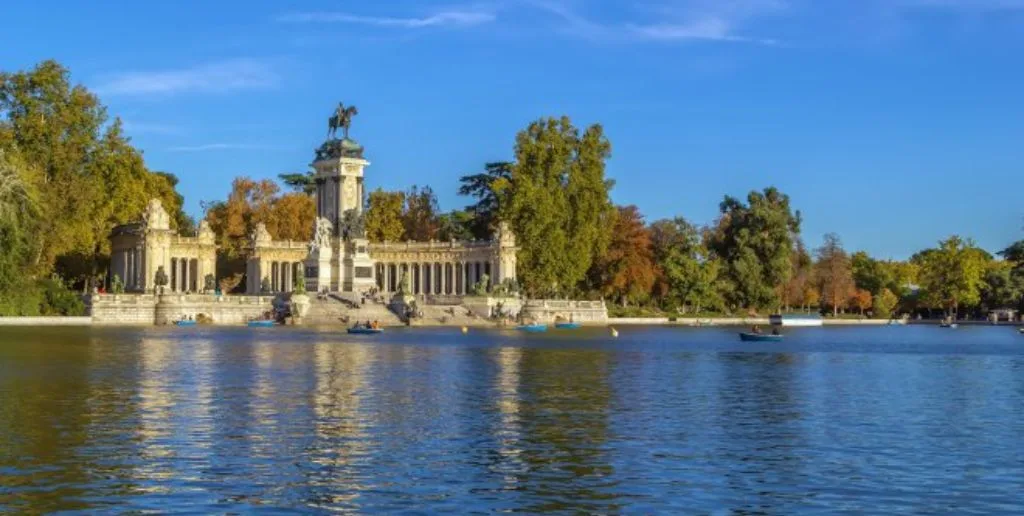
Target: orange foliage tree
287, 217
861, 300
627, 271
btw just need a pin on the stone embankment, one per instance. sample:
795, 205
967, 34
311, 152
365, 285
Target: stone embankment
45, 321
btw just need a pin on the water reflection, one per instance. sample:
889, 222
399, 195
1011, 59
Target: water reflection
213, 421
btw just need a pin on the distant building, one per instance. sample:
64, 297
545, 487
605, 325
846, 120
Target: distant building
138, 250
337, 258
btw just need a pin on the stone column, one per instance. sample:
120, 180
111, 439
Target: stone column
444, 278
128, 270
423, 278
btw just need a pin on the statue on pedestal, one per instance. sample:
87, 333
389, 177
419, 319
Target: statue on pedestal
342, 119
323, 231
353, 225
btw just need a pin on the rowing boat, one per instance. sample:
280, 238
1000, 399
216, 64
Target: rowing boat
760, 337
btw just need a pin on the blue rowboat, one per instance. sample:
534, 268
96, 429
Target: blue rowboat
365, 331
185, 323
262, 323
568, 325
533, 328
760, 337
951, 326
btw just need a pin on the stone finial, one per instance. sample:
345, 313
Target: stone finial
504, 235
205, 234
156, 217
260, 237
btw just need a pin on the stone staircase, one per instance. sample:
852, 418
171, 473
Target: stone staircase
338, 312
438, 315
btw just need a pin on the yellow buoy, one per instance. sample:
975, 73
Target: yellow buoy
615, 333
465, 329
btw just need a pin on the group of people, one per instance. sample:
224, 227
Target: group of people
375, 325
756, 330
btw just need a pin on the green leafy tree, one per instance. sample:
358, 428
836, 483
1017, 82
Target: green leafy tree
884, 304
89, 177
951, 275
1002, 286
456, 225
688, 273
557, 203
420, 214
754, 242
487, 187
1014, 253
304, 182
834, 275
384, 216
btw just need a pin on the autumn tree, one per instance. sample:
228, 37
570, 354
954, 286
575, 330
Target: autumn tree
293, 217
800, 276
626, 271
754, 242
833, 274
251, 202
384, 221
419, 217
557, 203
860, 300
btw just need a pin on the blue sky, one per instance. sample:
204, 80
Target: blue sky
891, 122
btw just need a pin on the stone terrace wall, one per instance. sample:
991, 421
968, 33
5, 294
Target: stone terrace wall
149, 309
584, 312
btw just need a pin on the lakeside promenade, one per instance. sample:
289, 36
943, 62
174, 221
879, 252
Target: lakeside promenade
480, 323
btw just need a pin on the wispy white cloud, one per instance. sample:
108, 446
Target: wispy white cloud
217, 77
709, 29
440, 19
701, 20
218, 146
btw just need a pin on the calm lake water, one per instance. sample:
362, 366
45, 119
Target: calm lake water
660, 420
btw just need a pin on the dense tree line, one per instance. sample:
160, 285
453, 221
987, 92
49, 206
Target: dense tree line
68, 174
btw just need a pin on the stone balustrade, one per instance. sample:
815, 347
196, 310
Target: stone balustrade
550, 310
159, 309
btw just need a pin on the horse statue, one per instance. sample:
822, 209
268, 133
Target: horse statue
342, 119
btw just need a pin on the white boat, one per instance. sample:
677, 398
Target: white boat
795, 320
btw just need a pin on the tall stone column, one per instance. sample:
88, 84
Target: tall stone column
128, 270
444, 278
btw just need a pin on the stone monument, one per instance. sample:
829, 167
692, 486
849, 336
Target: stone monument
340, 192
321, 254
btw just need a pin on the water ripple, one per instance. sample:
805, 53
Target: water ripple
658, 421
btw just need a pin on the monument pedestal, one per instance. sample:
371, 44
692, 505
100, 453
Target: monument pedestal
318, 266
357, 267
